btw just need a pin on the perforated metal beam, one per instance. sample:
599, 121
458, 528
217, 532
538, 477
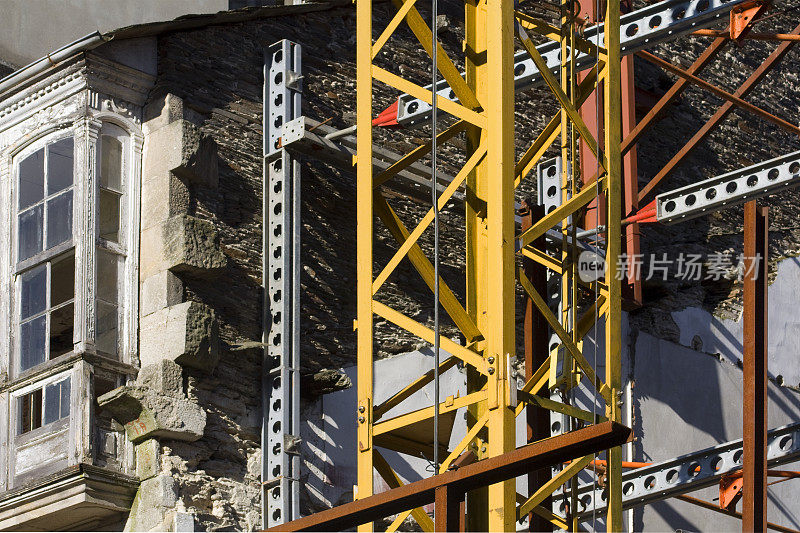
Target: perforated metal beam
739, 186
658, 23
686, 473
281, 379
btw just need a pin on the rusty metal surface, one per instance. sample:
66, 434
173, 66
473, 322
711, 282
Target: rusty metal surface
489, 471
754, 415
723, 111
536, 333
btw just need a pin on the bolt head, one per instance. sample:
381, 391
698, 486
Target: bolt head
491, 359
491, 370
361, 409
361, 419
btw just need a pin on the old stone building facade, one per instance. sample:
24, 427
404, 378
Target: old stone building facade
131, 272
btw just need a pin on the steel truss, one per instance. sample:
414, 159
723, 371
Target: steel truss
483, 101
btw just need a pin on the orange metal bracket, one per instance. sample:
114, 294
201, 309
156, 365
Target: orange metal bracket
743, 15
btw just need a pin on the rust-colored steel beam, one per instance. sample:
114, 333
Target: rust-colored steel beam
509, 465
537, 348
447, 508
724, 110
754, 415
712, 507
735, 100
753, 36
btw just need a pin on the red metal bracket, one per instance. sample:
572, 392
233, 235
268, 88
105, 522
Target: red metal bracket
743, 15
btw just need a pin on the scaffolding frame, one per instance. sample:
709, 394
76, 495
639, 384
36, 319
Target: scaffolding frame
485, 109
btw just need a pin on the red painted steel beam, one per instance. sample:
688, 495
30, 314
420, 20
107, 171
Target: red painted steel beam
735, 100
754, 415
536, 333
723, 111
483, 473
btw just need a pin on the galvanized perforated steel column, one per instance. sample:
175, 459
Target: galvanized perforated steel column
281, 380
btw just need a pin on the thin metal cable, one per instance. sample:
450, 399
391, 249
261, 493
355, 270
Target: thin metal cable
435, 201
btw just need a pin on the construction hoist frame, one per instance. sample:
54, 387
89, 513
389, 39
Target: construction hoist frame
484, 102
280, 462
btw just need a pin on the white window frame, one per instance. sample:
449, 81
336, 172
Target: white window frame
85, 241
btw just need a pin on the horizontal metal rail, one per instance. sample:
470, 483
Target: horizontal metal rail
686, 473
737, 187
643, 28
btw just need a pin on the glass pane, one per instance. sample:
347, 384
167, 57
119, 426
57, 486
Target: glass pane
33, 292
59, 165
32, 342
62, 281
30, 232
31, 179
107, 275
30, 412
62, 322
65, 388
109, 215
52, 397
107, 320
111, 163
59, 219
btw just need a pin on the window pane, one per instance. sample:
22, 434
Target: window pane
65, 388
111, 163
52, 397
32, 342
109, 215
59, 165
62, 281
59, 219
30, 232
62, 322
107, 275
30, 411
107, 320
31, 179
33, 292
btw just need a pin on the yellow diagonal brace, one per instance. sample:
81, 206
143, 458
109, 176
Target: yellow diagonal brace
562, 97
543, 258
536, 381
418, 153
469, 437
561, 212
535, 152
412, 239
548, 488
565, 337
553, 33
398, 521
547, 514
424, 267
552, 405
449, 71
397, 398
392, 26
426, 334
394, 481
427, 412
449, 106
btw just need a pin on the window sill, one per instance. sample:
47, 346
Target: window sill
61, 363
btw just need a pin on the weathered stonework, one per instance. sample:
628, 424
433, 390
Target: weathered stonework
186, 333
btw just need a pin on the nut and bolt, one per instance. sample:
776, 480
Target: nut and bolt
361, 419
361, 409
491, 359
491, 370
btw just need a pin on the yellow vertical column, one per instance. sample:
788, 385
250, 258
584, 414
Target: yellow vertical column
613, 139
475, 218
500, 247
364, 231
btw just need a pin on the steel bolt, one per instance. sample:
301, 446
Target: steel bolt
483, 449
491, 359
361, 409
491, 370
361, 419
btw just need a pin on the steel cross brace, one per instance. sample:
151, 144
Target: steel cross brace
686, 473
281, 373
655, 24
